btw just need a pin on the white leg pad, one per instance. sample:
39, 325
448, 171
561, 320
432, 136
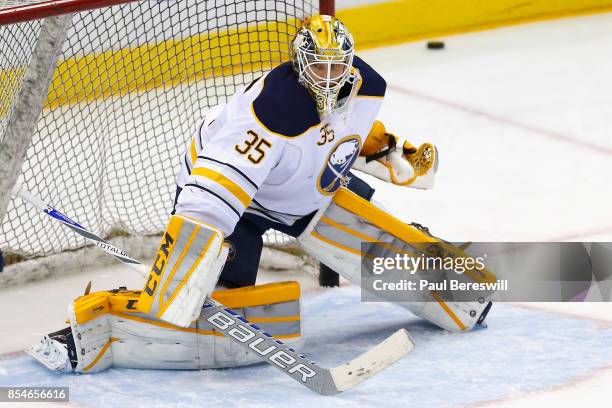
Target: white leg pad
108, 332
335, 236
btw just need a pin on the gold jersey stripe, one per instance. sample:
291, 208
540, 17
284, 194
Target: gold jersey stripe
193, 153
228, 184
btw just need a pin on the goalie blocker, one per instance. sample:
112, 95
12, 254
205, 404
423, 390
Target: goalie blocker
335, 234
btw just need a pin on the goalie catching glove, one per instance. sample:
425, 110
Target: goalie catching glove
389, 158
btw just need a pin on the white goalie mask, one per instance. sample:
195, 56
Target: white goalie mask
322, 56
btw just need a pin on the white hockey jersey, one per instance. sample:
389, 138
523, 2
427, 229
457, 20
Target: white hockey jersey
268, 151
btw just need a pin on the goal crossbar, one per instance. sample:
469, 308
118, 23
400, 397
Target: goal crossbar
36, 10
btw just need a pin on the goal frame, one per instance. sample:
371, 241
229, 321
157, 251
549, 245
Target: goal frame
56, 16
50, 8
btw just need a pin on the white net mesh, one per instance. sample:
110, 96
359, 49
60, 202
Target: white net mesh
130, 86
16, 46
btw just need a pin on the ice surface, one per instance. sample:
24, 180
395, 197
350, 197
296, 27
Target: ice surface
522, 350
522, 119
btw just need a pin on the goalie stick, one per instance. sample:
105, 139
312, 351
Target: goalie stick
325, 381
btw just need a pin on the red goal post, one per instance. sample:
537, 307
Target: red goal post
99, 99
18, 11
12, 12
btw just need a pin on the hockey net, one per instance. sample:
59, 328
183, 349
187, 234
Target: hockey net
129, 86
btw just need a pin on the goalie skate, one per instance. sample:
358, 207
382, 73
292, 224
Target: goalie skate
52, 351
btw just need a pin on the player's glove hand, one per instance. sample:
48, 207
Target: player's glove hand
397, 161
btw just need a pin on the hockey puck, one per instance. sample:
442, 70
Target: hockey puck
435, 45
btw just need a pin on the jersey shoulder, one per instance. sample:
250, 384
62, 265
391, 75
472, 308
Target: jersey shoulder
283, 105
372, 84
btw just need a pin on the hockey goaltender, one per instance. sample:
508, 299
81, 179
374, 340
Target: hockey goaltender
278, 155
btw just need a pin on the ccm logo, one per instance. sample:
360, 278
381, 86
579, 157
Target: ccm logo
247, 336
158, 265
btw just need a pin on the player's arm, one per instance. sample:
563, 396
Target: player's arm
226, 175
397, 161
384, 155
233, 161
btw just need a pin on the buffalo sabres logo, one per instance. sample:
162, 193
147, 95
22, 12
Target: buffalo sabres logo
340, 160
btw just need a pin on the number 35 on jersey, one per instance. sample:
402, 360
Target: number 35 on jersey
253, 147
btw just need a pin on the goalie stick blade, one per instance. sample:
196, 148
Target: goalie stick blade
324, 381
372, 361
